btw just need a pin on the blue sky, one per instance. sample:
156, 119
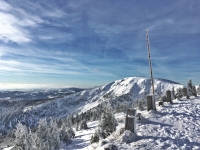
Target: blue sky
91, 42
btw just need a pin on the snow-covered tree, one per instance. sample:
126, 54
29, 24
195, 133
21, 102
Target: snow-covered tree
20, 134
191, 89
53, 135
83, 125
107, 123
94, 116
194, 90
23, 138
179, 93
198, 90
95, 138
117, 107
64, 135
70, 131
173, 93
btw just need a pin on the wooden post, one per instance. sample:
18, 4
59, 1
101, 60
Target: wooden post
169, 98
149, 103
130, 122
185, 93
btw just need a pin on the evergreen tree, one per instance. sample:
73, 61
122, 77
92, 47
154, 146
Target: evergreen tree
198, 90
94, 116
117, 107
95, 138
64, 136
173, 94
194, 91
107, 123
179, 93
191, 89
21, 134
70, 131
83, 125
42, 135
53, 135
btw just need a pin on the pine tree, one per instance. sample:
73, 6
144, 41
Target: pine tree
70, 131
95, 138
22, 140
198, 90
191, 89
179, 93
64, 136
42, 134
94, 116
117, 107
83, 125
173, 94
194, 91
107, 123
53, 135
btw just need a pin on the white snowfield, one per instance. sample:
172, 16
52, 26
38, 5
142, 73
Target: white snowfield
171, 127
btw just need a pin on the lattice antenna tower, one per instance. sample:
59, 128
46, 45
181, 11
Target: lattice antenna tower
151, 70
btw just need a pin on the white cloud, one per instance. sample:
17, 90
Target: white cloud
10, 31
14, 86
13, 21
54, 14
5, 6
28, 67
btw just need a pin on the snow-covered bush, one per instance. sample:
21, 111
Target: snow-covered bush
95, 138
109, 146
71, 133
179, 93
102, 142
120, 131
128, 137
164, 99
83, 125
142, 104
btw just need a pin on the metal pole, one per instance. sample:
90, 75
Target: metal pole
151, 71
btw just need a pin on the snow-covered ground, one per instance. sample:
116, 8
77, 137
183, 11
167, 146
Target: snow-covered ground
82, 138
172, 126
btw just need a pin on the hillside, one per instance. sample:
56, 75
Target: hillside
175, 126
128, 90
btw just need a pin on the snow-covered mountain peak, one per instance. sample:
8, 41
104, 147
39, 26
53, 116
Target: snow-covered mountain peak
128, 91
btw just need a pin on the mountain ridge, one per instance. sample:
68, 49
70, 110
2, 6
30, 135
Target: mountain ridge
127, 91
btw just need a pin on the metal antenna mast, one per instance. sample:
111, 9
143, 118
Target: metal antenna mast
151, 71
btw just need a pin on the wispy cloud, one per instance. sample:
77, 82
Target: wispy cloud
86, 41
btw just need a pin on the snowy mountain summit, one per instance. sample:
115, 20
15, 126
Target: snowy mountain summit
127, 90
